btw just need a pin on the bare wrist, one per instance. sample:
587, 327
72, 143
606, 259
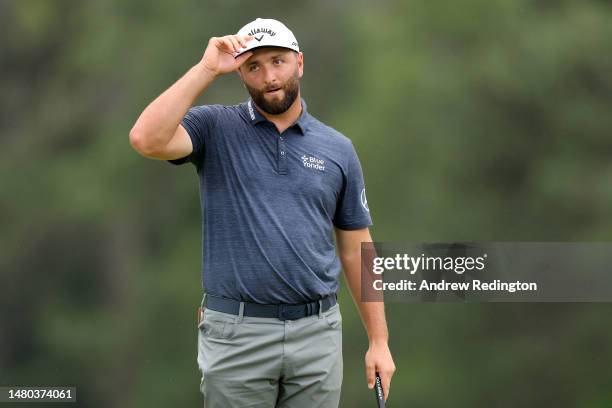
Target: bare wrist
203, 69
379, 341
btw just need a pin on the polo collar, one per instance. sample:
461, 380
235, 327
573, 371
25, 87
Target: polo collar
256, 117
253, 113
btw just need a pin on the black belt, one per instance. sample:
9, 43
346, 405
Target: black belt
281, 311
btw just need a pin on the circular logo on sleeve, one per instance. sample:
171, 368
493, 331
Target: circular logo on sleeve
364, 200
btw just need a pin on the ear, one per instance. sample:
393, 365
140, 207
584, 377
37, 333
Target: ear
300, 62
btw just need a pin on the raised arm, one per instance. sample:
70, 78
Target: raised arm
157, 132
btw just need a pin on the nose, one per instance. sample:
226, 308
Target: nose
269, 77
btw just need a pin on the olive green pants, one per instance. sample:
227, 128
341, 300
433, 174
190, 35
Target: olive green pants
260, 362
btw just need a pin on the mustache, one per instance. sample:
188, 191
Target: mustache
273, 88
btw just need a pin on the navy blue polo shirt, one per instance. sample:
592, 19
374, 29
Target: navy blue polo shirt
270, 202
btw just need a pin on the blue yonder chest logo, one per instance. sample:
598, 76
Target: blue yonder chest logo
312, 162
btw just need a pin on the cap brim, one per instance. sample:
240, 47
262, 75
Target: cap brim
262, 46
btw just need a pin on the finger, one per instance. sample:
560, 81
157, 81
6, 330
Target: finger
235, 43
226, 45
370, 375
385, 379
246, 39
215, 42
241, 40
241, 59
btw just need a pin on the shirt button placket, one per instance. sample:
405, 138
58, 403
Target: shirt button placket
282, 157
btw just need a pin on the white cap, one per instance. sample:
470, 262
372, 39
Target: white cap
267, 32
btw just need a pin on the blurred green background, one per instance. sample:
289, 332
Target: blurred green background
474, 120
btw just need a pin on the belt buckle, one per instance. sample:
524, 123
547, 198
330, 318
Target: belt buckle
289, 312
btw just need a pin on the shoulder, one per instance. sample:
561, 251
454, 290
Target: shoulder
331, 135
215, 109
215, 114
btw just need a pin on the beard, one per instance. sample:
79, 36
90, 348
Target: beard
276, 106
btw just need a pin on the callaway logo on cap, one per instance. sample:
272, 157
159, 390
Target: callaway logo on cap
267, 32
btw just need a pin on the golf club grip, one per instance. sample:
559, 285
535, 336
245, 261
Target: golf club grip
380, 395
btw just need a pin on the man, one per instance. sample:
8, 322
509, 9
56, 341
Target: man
274, 184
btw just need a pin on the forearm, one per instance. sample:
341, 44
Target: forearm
373, 316
378, 358
160, 119
372, 313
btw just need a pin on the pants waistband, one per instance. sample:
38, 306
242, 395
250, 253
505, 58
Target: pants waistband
281, 311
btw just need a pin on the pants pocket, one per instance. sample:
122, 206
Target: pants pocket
333, 317
217, 325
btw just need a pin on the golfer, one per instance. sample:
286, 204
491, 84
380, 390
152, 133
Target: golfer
276, 185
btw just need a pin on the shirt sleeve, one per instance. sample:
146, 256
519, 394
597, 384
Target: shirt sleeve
352, 210
199, 123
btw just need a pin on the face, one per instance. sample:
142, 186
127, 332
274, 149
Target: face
272, 77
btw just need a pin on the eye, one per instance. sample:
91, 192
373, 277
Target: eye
277, 61
253, 68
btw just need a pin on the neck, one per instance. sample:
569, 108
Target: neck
283, 120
